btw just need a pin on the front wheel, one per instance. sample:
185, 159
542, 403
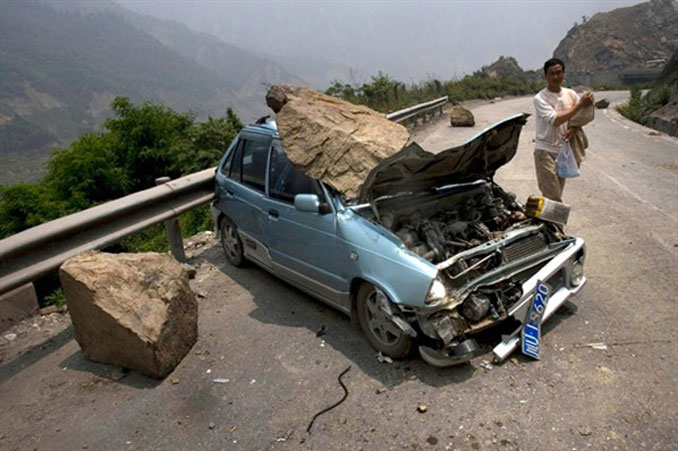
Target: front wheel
380, 331
231, 242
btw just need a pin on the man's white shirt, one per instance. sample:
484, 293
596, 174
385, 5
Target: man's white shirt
546, 105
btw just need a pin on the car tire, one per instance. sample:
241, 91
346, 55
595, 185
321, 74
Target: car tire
380, 331
231, 242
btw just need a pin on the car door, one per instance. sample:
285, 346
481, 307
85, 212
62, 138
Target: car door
302, 245
241, 184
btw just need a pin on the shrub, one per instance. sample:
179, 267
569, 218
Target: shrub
639, 105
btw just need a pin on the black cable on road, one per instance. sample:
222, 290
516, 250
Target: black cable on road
310, 425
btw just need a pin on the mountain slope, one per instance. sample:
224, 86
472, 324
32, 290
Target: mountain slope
622, 39
61, 63
249, 73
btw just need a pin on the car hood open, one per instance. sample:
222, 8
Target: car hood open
414, 169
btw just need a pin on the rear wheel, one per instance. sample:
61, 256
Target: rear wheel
231, 242
380, 331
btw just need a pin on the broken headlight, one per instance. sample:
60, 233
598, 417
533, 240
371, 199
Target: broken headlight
437, 292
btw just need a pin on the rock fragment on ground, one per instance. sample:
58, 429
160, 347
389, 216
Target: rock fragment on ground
131, 310
461, 117
602, 104
330, 139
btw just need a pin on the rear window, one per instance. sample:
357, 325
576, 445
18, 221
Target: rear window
249, 163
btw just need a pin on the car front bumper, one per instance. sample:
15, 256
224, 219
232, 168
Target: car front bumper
557, 273
558, 269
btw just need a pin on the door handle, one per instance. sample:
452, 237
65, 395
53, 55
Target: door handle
273, 213
229, 191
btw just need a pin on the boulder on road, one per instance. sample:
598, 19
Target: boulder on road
602, 104
333, 140
461, 117
131, 310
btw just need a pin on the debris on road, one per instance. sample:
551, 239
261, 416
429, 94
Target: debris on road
602, 104
221, 380
10, 337
284, 437
174, 381
584, 431
604, 345
462, 117
151, 321
322, 331
381, 358
343, 398
486, 365
600, 346
422, 408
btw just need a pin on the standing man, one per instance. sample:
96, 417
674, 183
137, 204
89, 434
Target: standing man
554, 106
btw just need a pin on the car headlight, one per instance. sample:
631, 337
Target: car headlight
437, 292
577, 275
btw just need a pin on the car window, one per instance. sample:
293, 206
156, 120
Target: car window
236, 164
285, 181
226, 167
253, 163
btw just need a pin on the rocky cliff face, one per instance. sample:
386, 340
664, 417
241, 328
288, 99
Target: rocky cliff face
665, 118
640, 36
507, 67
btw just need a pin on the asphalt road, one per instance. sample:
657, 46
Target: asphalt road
260, 334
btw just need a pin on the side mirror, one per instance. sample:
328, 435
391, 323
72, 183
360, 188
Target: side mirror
307, 202
311, 204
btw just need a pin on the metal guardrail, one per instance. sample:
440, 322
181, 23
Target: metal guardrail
36, 252
33, 253
416, 110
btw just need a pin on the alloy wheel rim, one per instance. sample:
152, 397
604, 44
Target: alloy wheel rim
230, 241
381, 327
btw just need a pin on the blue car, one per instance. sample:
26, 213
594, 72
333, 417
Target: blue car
428, 254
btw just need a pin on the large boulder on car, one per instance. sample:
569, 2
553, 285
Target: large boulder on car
131, 310
461, 117
330, 139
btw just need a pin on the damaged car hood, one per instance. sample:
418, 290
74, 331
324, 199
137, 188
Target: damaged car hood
414, 169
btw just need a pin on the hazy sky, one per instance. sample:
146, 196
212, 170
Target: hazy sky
409, 40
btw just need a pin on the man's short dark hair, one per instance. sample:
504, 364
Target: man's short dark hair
553, 62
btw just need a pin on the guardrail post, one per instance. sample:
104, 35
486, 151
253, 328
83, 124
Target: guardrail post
173, 231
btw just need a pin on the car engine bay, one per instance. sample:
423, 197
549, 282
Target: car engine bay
483, 245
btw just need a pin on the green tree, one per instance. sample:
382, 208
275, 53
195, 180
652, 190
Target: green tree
87, 173
146, 140
24, 205
208, 140
138, 145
